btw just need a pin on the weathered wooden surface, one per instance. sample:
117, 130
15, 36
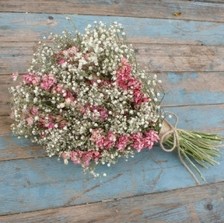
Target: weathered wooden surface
23, 27
187, 52
171, 9
156, 57
154, 208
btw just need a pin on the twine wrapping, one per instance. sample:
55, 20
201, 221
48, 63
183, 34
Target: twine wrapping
166, 131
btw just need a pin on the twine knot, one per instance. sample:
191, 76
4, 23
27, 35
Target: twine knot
168, 130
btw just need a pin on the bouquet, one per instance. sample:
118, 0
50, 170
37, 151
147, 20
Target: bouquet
86, 100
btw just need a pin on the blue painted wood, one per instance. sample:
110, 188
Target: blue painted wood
28, 183
192, 88
195, 204
40, 183
152, 30
34, 184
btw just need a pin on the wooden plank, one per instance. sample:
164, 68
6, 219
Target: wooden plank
17, 27
188, 10
196, 204
180, 89
156, 57
180, 58
40, 181
5, 125
47, 183
192, 88
13, 148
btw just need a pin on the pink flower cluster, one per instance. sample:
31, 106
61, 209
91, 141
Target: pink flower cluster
33, 111
126, 81
47, 122
44, 121
103, 113
81, 157
122, 142
61, 57
31, 78
146, 140
46, 82
103, 141
138, 140
50, 121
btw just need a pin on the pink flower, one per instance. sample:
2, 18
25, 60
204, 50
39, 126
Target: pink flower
57, 88
101, 110
47, 122
139, 97
29, 121
100, 142
61, 61
122, 142
47, 82
70, 51
96, 155
49, 125
76, 156
96, 134
69, 95
138, 141
109, 140
124, 74
15, 76
98, 139
34, 110
103, 114
134, 83
31, 78
84, 158
103, 142
62, 124
151, 137
126, 67
122, 80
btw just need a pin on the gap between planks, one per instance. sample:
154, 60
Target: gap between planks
186, 10
156, 57
193, 204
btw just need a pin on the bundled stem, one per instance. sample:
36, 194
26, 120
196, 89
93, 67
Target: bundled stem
193, 147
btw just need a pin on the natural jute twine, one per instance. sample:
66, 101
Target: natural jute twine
167, 130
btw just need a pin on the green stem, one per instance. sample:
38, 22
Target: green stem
197, 147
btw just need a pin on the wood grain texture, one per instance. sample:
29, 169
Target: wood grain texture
182, 41
198, 204
22, 27
47, 183
5, 123
156, 57
190, 10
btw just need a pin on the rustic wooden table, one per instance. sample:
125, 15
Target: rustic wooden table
183, 41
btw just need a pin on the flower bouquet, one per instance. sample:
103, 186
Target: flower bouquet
85, 99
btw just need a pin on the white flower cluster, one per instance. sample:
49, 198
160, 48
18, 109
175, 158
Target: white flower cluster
85, 99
